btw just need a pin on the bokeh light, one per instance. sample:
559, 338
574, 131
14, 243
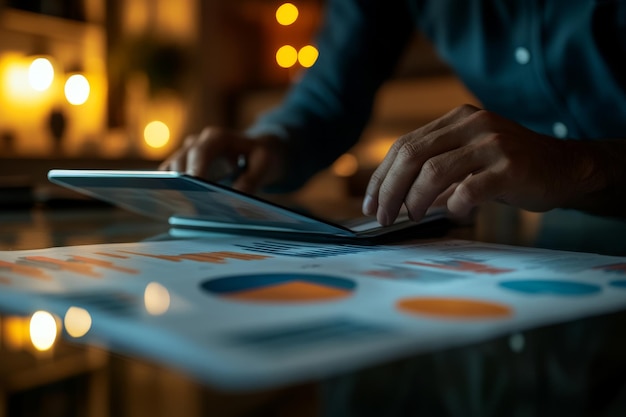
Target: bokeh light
286, 56
40, 74
156, 298
77, 321
307, 56
156, 134
77, 89
286, 14
346, 165
15, 83
43, 330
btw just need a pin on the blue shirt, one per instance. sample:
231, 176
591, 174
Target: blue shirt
554, 66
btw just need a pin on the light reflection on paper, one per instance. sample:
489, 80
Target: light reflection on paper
77, 321
156, 299
43, 330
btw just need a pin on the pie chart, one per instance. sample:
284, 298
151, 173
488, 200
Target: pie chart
280, 288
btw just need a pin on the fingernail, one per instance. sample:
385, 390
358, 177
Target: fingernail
382, 216
369, 208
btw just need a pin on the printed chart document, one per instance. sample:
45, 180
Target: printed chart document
194, 204
246, 313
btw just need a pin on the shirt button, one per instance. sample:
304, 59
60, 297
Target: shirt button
522, 55
559, 130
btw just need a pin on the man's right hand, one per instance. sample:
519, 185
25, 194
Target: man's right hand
213, 148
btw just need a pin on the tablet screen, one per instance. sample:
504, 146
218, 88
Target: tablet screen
162, 194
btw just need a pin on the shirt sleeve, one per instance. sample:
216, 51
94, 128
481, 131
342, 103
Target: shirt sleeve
325, 112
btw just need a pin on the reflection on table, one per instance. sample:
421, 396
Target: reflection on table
59, 378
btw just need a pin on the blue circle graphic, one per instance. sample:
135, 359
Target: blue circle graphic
551, 287
618, 284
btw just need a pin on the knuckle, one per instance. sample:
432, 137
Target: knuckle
433, 170
467, 194
483, 118
465, 110
399, 144
498, 144
189, 141
410, 150
209, 135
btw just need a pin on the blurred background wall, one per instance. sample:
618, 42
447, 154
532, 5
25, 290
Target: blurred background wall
118, 83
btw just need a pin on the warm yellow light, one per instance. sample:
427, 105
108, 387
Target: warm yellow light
40, 74
77, 321
286, 14
286, 56
16, 81
77, 89
156, 134
15, 332
156, 299
374, 153
346, 165
43, 330
307, 56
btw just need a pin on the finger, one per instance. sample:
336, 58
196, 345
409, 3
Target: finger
455, 115
256, 170
177, 161
475, 190
266, 163
442, 199
410, 151
371, 200
409, 164
440, 173
208, 145
216, 153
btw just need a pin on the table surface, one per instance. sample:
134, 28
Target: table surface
84, 222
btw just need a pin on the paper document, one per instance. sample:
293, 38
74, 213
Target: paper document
246, 313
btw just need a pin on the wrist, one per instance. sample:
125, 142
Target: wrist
597, 175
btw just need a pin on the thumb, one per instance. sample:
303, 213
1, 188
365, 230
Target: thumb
256, 172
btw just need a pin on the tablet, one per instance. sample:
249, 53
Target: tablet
190, 202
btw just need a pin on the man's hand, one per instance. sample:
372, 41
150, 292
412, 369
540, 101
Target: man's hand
216, 152
471, 156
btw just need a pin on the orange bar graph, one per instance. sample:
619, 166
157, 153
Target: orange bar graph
241, 256
170, 258
463, 266
454, 308
25, 270
210, 257
112, 255
104, 264
79, 268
